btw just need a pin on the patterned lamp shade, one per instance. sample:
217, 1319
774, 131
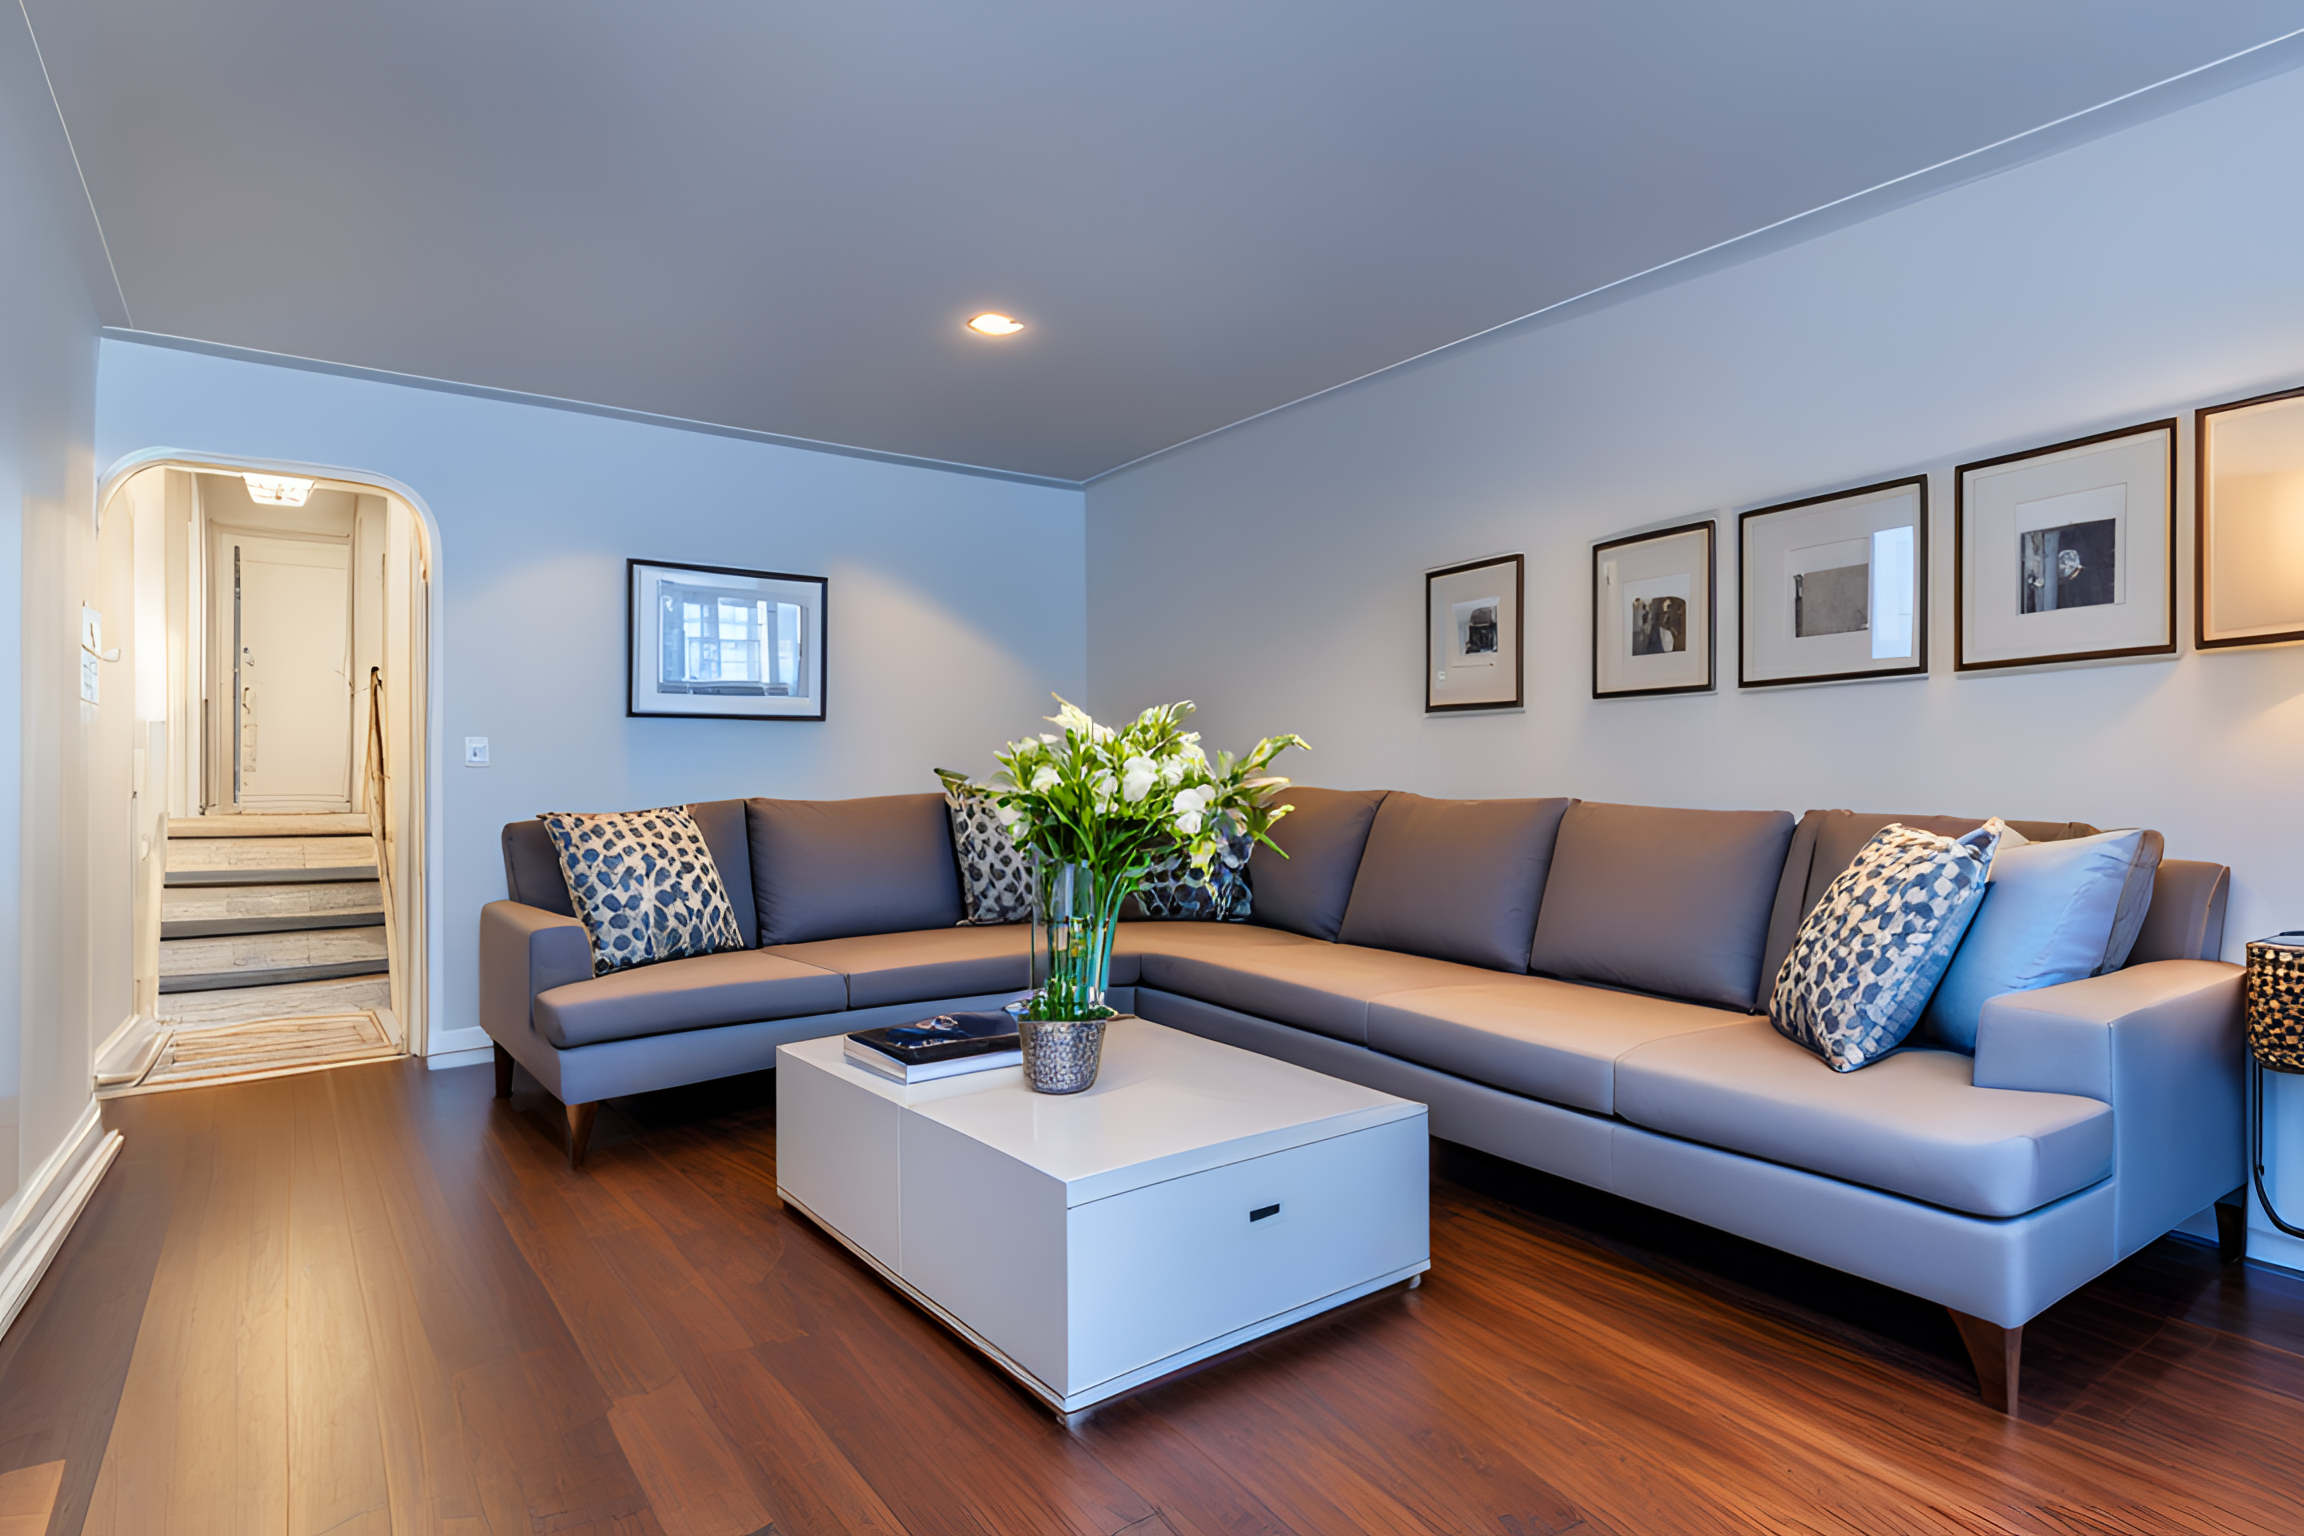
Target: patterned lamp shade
2275, 1010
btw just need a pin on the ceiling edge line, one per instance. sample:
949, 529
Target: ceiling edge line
2004, 154
577, 407
40, 57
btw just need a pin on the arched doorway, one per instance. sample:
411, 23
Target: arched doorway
278, 621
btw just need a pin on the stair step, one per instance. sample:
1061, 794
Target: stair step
201, 964
241, 980
285, 824
327, 899
243, 853
269, 876
229, 927
238, 1005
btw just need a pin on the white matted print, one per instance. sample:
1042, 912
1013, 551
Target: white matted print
1652, 612
2248, 516
718, 642
1472, 649
1835, 588
2068, 553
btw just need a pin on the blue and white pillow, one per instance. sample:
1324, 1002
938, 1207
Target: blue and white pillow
644, 886
1871, 951
2049, 915
1174, 889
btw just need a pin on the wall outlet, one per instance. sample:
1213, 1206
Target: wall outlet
475, 751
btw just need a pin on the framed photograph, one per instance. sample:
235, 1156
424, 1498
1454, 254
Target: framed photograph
2067, 553
2248, 522
1834, 587
718, 642
1472, 650
1652, 598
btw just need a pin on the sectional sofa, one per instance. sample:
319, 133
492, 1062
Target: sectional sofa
1576, 986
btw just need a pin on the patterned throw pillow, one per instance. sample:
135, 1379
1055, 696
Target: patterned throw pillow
1871, 952
995, 876
644, 886
1173, 889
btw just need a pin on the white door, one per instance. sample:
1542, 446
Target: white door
292, 672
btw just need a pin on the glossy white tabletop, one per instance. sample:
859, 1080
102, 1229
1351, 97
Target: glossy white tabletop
1165, 1104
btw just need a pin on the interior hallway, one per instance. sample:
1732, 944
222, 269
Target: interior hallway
375, 1299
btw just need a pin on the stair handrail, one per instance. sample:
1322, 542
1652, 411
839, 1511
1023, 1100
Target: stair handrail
376, 778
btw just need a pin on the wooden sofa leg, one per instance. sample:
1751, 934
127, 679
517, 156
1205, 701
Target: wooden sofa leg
2232, 1232
503, 1073
580, 1118
1997, 1353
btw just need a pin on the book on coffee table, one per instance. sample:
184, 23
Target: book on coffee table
944, 1046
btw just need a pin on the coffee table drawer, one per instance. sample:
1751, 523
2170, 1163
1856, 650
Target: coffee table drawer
1160, 1269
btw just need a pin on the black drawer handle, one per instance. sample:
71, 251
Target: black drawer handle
1263, 1211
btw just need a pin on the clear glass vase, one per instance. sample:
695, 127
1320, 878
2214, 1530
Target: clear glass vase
1076, 916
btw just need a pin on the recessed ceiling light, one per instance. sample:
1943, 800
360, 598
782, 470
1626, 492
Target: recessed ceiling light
278, 490
990, 324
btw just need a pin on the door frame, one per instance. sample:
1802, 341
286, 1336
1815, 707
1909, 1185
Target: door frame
426, 983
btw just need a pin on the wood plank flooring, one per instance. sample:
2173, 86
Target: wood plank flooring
376, 1300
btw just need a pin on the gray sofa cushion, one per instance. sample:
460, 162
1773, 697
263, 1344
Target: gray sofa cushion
532, 874
1669, 901
737, 987
2186, 918
932, 963
1325, 988
1552, 1040
1323, 836
1913, 1124
1213, 941
834, 869
1453, 879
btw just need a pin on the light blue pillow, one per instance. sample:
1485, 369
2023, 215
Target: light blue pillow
1869, 952
2047, 918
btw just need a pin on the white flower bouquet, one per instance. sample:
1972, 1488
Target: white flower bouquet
1098, 808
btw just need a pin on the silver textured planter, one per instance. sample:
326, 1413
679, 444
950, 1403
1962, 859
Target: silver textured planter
1061, 1055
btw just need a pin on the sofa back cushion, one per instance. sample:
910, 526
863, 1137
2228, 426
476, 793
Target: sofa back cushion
837, 869
1828, 841
532, 874
1675, 902
1454, 879
1323, 837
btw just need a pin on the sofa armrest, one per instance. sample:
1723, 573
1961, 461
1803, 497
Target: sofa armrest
523, 951
2159, 1042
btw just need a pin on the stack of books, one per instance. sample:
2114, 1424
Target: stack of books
944, 1046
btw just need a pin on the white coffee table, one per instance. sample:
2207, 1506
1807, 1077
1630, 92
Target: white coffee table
1196, 1197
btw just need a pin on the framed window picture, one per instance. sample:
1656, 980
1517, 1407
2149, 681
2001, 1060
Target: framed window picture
1652, 598
1834, 587
2067, 553
2248, 522
718, 642
1472, 649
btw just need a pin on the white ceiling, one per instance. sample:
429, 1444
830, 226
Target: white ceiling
776, 215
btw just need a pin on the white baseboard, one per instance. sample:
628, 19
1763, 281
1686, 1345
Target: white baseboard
127, 1053
459, 1047
46, 1207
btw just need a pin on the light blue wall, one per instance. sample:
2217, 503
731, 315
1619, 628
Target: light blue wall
52, 287
955, 605
1274, 571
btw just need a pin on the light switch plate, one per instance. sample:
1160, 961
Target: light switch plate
475, 751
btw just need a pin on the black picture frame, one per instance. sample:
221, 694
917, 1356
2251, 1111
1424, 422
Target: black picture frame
1748, 611
1964, 565
717, 700
1709, 529
1511, 639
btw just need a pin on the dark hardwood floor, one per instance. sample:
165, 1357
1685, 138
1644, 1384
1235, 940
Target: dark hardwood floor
376, 1300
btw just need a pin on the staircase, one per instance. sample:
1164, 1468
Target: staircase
271, 917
